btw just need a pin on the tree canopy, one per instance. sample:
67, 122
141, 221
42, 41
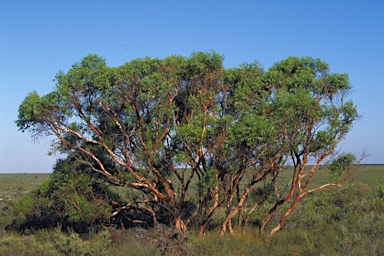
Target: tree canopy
185, 136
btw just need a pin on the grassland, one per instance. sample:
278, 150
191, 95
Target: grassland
13, 186
345, 221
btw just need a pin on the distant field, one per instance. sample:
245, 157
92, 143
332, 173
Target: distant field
372, 174
13, 186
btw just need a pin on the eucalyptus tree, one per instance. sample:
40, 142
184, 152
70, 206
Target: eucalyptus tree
165, 129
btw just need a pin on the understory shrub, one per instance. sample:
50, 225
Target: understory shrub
53, 242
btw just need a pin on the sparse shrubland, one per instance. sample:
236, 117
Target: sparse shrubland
345, 221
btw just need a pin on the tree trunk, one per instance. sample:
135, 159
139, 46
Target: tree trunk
228, 222
179, 224
286, 214
202, 228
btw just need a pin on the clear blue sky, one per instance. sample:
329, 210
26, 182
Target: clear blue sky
39, 38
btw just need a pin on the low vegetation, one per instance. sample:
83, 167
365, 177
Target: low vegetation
345, 221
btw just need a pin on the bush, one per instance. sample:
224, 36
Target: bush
54, 242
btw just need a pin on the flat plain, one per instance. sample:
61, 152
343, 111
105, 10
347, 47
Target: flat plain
13, 186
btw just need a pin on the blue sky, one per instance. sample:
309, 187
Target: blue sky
39, 38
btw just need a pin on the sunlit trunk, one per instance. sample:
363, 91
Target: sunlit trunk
180, 225
202, 228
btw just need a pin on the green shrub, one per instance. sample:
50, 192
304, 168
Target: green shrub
54, 242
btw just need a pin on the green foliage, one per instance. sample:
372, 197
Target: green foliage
83, 197
342, 163
262, 193
207, 183
24, 204
80, 196
71, 198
